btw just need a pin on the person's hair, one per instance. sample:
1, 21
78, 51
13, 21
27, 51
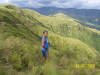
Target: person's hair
45, 32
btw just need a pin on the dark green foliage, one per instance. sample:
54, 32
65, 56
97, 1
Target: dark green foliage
10, 6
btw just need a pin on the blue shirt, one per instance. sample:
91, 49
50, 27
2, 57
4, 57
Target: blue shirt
46, 44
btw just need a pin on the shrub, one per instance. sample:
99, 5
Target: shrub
10, 6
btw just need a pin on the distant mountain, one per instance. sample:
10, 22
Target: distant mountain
87, 17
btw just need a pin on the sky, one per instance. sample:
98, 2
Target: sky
80, 4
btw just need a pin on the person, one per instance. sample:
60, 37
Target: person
45, 45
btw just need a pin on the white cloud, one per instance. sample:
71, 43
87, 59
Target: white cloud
61, 5
34, 4
87, 4
4, 1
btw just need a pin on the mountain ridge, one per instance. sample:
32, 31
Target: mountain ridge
83, 15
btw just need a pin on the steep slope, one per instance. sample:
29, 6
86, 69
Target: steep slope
20, 45
67, 26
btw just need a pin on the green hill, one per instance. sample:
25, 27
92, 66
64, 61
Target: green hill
68, 27
20, 44
87, 17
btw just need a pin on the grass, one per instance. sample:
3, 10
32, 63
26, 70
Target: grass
20, 44
68, 27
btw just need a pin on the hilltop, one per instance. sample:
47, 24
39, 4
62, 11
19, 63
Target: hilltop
20, 44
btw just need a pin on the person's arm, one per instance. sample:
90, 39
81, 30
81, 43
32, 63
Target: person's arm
43, 43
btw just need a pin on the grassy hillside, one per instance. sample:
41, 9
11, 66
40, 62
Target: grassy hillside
84, 16
20, 45
69, 27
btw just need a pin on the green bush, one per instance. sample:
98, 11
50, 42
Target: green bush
10, 6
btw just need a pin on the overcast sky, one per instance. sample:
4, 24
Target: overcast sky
86, 4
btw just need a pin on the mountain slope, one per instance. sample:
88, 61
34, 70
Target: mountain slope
20, 46
88, 17
67, 26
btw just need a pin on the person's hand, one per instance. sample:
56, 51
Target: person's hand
43, 46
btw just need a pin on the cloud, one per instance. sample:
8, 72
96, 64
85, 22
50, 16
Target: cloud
4, 1
86, 4
35, 4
